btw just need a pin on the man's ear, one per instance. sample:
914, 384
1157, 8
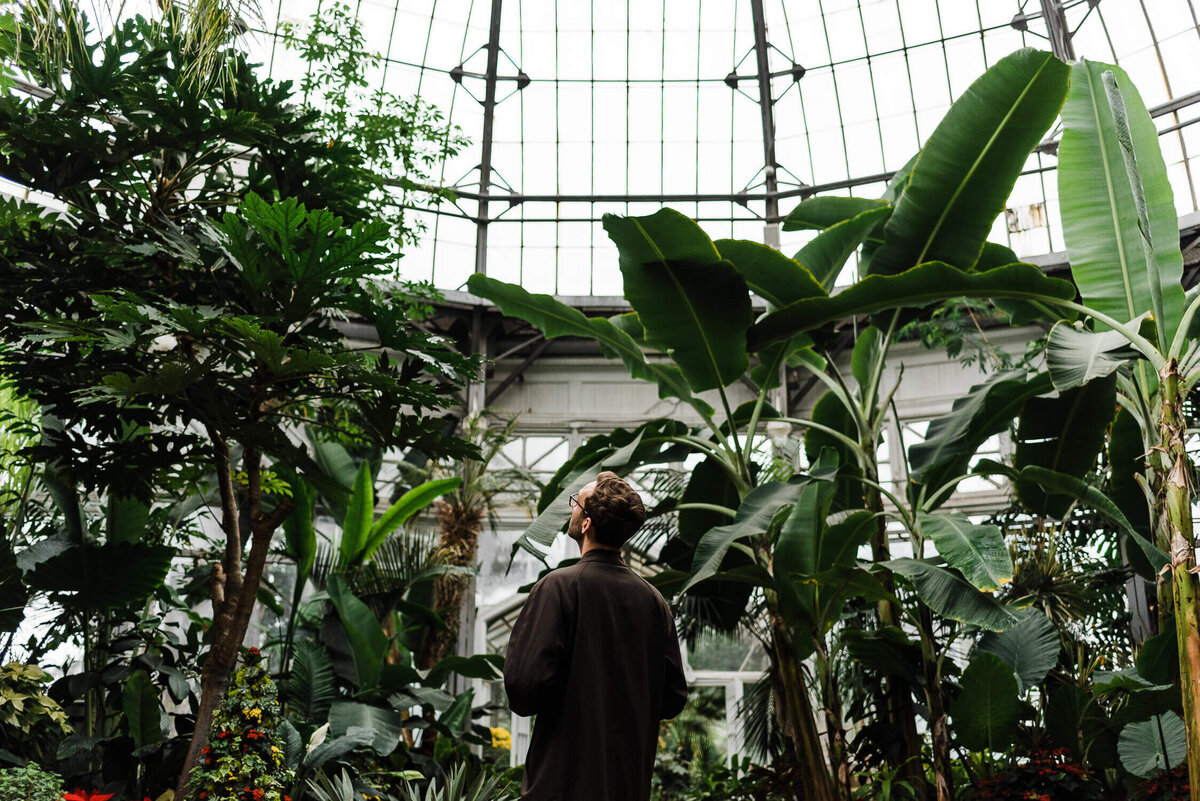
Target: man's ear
586, 527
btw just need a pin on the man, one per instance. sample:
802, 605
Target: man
595, 656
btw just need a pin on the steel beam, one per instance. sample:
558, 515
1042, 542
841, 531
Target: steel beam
767, 110
489, 120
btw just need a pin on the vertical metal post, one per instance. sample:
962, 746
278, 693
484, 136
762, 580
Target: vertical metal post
1059, 32
767, 108
477, 390
485, 161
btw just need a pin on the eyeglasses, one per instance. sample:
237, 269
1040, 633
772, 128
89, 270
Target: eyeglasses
573, 501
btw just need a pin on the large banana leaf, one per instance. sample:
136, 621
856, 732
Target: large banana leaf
986, 711
1074, 357
826, 254
830, 412
689, 299
967, 168
1099, 215
826, 211
360, 514
977, 551
368, 644
771, 275
403, 509
557, 319
922, 285
619, 451
1030, 648
1063, 434
950, 595
952, 440
753, 517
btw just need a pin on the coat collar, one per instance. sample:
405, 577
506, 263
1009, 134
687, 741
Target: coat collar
602, 555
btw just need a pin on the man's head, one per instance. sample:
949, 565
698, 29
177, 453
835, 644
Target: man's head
608, 511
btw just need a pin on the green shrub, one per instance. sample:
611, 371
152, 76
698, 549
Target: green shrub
30, 783
31, 723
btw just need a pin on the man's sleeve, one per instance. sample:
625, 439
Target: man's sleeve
538, 649
675, 685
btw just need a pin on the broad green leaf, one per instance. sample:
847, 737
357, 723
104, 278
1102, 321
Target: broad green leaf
865, 356
830, 412
753, 517
826, 211
985, 712
977, 551
1158, 658
355, 737
1029, 648
126, 519
368, 644
360, 513
299, 534
457, 716
688, 298
13, 595
952, 440
1093, 497
477, 666
409, 504
1074, 357
826, 254
886, 651
1126, 460
108, 576
139, 701
308, 685
952, 596
708, 483
967, 168
556, 319
771, 275
1077, 721
338, 468
920, 286
1153, 746
386, 724
1099, 215
1064, 434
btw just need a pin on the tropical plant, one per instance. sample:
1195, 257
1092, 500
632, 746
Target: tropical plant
923, 243
198, 323
1122, 237
462, 784
460, 514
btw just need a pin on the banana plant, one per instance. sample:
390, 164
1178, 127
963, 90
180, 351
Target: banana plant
1136, 323
923, 243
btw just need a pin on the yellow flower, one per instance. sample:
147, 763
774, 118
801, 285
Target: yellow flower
501, 738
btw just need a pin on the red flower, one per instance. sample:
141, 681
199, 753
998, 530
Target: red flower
87, 795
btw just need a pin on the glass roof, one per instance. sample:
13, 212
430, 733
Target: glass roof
622, 107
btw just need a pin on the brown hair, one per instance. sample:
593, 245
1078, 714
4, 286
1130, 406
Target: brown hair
615, 509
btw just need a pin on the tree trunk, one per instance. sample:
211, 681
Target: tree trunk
1177, 500
898, 696
835, 731
234, 595
794, 712
458, 547
939, 728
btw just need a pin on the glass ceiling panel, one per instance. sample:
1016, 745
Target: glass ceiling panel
632, 105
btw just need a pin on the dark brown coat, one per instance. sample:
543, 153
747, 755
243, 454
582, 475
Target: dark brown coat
595, 656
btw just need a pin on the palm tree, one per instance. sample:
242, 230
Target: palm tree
460, 515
